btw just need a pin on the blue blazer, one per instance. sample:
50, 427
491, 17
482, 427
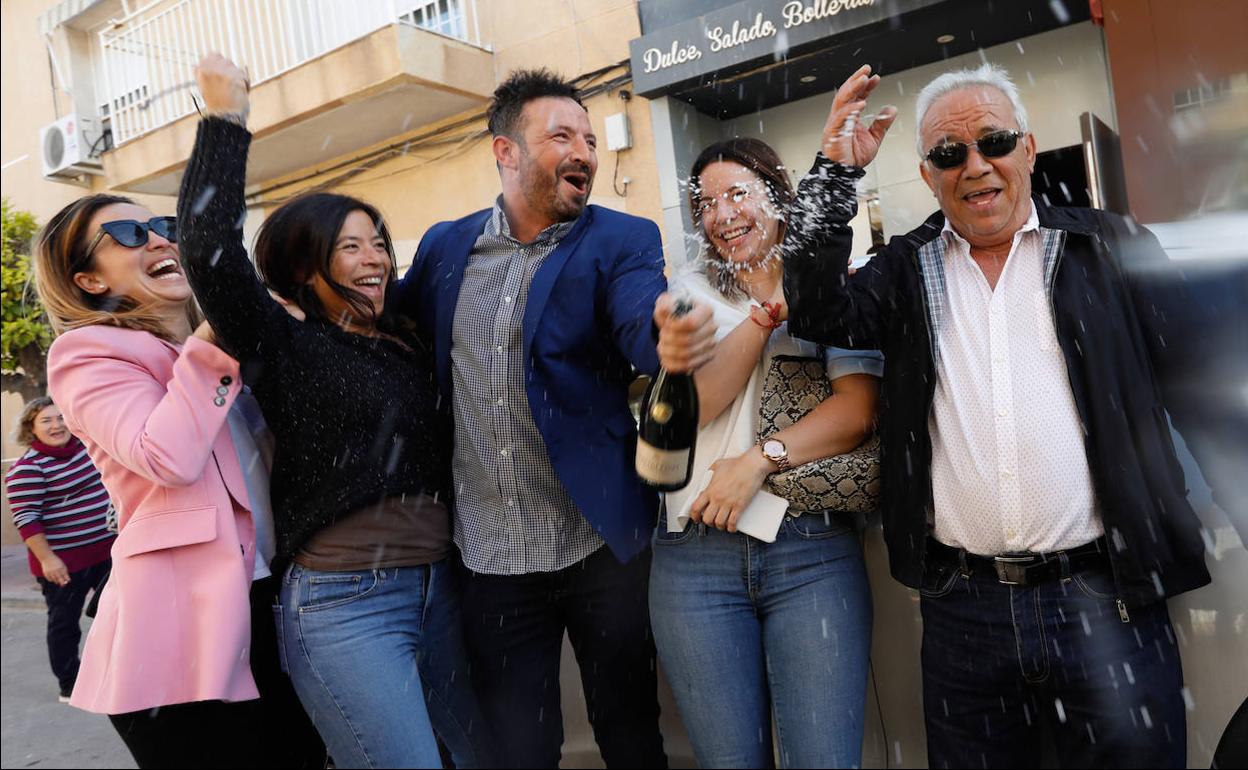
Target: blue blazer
587, 324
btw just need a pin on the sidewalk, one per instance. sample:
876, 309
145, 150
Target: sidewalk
20, 591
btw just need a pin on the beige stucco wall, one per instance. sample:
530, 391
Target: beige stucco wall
27, 95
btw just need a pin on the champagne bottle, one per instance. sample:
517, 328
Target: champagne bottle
669, 426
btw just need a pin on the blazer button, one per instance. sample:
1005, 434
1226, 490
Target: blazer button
226, 380
223, 391
219, 401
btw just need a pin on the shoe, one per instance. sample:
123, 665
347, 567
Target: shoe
63, 697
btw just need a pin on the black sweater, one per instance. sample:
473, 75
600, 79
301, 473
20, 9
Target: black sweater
356, 419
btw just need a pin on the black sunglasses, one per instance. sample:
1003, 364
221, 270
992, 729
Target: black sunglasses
994, 145
132, 233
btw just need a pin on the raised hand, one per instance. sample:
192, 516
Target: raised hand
845, 139
224, 86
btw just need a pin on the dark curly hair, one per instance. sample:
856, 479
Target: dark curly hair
520, 88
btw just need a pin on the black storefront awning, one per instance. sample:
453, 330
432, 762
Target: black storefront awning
757, 54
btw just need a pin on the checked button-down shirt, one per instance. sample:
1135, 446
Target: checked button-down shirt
513, 515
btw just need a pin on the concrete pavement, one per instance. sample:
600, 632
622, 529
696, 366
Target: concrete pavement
36, 730
18, 590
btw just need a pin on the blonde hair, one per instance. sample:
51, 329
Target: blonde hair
25, 432
61, 253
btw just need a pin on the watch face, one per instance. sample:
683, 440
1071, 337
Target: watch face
774, 449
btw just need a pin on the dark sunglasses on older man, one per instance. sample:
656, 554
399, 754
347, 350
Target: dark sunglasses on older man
994, 145
132, 233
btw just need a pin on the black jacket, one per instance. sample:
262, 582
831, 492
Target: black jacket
1113, 330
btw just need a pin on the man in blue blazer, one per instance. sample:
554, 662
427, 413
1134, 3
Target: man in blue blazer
539, 309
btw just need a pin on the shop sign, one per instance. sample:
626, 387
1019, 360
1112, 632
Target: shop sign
745, 31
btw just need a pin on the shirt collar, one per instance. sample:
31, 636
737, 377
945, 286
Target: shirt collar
498, 225
1033, 223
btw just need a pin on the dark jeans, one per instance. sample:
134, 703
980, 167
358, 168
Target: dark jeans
64, 613
1000, 660
289, 737
273, 731
514, 626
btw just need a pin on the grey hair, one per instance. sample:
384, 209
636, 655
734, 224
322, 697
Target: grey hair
986, 74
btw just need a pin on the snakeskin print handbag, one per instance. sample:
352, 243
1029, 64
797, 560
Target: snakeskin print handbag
850, 482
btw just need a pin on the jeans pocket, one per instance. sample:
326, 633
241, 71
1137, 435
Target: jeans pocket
326, 590
1096, 584
279, 623
663, 537
938, 581
817, 526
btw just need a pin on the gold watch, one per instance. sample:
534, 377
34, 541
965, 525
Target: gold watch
775, 450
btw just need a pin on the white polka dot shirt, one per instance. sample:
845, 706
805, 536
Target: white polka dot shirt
1009, 469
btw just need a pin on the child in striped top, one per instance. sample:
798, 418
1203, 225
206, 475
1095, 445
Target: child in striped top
62, 510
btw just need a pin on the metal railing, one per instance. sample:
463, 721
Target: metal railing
148, 58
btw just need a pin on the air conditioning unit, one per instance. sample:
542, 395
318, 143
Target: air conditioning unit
66, 147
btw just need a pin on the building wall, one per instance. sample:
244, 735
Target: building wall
1156, 49
30, 103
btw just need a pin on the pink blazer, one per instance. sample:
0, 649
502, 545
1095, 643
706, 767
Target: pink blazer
174, 621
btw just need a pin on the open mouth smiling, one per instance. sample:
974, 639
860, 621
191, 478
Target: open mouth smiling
165, 269
984, 197
579, 182
735, 234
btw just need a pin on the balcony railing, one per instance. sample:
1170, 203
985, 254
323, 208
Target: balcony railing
148, 58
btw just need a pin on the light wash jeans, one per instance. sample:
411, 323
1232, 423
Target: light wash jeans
748, 630
366, 649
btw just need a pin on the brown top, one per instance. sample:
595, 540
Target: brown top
404, 531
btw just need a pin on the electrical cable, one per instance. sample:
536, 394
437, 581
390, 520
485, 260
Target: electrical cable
615, 175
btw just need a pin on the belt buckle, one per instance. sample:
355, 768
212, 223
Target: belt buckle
1012, 570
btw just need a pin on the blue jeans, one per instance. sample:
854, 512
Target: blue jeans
366, 650
998, 660
747, 630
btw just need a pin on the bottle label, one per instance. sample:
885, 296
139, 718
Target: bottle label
661, 466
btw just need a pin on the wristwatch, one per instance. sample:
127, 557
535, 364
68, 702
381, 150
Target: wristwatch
775, 450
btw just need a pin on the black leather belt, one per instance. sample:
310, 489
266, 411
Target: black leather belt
1021, 569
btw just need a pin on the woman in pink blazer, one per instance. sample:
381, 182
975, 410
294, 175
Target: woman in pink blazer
140, 380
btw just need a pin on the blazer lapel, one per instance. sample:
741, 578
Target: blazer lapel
547, 274
450, 277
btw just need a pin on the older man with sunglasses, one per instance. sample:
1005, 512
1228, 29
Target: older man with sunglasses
1031, 490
